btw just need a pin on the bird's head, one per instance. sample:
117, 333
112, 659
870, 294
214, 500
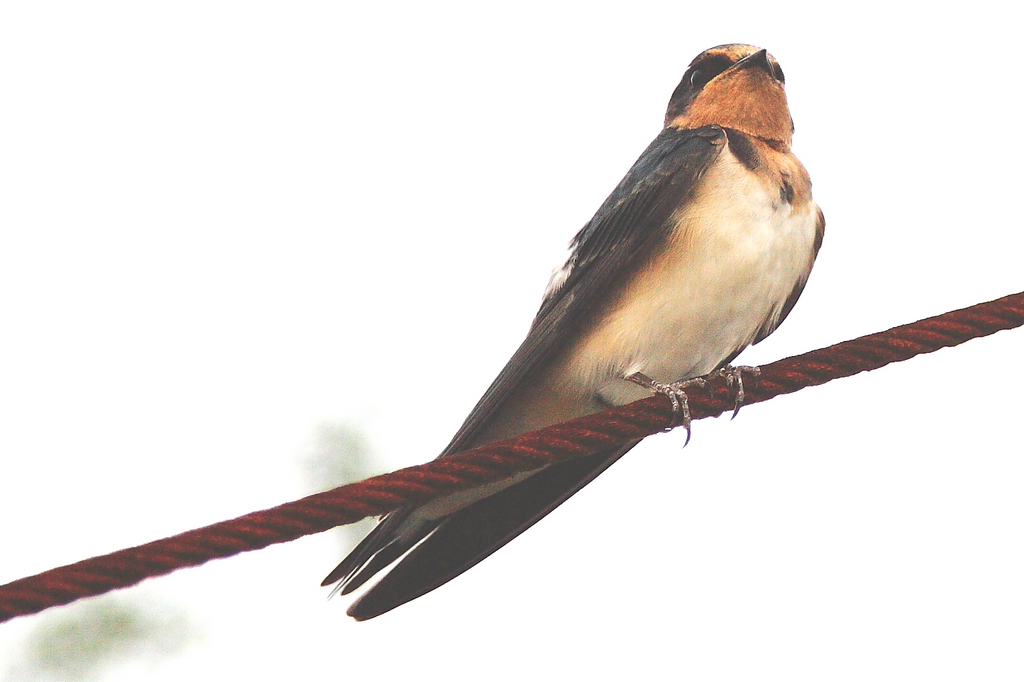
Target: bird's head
734, 86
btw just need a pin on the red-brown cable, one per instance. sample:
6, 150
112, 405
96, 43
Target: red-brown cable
557, 443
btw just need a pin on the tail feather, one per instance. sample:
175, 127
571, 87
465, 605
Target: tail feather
381, 559
381, 537
470, 535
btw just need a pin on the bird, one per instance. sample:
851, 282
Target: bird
700, 251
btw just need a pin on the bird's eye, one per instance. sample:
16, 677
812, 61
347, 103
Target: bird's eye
697, 79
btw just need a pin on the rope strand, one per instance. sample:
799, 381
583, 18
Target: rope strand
419, 484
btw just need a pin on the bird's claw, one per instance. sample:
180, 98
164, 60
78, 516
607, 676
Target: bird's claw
676, 392
734, 382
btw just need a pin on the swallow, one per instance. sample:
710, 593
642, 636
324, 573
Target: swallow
700, 251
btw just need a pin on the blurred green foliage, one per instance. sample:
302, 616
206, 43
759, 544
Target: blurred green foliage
340, 454
81, 641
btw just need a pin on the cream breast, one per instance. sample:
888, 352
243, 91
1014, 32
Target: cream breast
737, 250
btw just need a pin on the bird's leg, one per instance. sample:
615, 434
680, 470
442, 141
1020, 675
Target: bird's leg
734, 380
676, 392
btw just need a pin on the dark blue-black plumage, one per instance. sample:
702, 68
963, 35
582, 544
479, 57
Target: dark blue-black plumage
628, 227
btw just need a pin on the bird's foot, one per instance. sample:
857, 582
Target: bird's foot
676, 392
734, 381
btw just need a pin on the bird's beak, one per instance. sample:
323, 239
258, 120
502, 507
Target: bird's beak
757, 60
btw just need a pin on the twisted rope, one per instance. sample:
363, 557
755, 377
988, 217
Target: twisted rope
419, 484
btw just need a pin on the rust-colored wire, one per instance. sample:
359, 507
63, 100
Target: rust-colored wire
418, 484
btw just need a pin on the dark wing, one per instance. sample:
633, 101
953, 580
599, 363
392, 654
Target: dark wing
470, 535
629, 226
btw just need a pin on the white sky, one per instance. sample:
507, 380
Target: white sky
223, 223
